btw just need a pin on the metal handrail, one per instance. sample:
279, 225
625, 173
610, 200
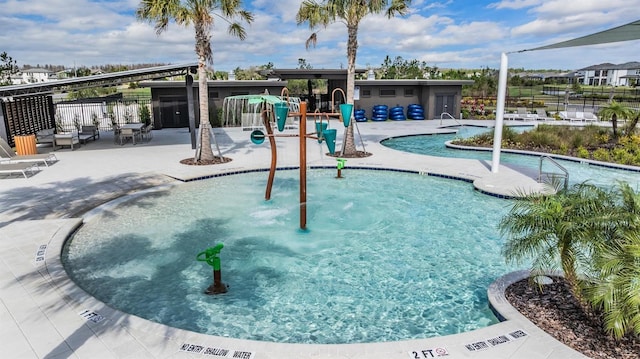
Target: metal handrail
448, 114
564, 173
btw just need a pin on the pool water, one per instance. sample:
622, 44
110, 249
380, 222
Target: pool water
386, 256
433, 145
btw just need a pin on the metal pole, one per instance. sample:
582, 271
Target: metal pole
274, 153
497, 133
191, 110
303, 164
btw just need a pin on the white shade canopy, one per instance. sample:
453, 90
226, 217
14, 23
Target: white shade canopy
630, 31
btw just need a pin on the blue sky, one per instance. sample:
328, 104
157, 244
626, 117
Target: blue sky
446, 34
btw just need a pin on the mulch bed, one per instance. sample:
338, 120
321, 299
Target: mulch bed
556, 312
215, 161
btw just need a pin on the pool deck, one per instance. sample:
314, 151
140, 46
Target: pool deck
45, 315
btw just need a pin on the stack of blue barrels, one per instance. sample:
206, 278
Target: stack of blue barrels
396, 113
359, 115
415, 112
380, 113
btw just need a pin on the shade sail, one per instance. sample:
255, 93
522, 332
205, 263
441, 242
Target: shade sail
630, 31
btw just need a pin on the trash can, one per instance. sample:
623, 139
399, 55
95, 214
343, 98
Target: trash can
25, 145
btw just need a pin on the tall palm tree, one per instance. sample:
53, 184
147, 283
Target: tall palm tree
200, 14
349, 12
614, 111
564, 228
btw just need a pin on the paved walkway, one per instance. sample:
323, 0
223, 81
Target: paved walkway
44, 315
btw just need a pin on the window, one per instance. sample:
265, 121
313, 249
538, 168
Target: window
238, 93
214, 94
365, 93
408, 92
387, 93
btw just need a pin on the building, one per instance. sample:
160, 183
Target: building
32, 75
609, 74
436, 96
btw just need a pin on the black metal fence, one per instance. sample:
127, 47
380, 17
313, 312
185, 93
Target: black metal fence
104, 113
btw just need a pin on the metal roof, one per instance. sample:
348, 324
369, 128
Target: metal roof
309, 74
102, 80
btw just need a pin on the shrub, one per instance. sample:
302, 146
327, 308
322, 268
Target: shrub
582, 152
601, 154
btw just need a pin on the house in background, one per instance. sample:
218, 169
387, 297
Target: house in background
32, 75
609, 74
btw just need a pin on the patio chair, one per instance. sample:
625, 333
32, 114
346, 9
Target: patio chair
7, 154
542, 115
65, 139
22, 168
146, 132
126, 133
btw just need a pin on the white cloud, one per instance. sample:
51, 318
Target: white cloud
514, 4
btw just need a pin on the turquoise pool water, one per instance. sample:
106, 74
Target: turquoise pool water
387, 256
433, 145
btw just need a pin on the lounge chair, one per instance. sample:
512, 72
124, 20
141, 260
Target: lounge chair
573, 116
542, 115
589, 117
66, 139
88, 133
21, 168
525, 115
8, 155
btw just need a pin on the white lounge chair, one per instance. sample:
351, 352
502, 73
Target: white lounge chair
8, 155
22, 168
542, 115
589, 117
572, 116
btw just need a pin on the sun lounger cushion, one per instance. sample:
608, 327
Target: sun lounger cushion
21, 168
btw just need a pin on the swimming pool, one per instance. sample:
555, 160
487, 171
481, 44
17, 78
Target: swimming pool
387, 256
433, 145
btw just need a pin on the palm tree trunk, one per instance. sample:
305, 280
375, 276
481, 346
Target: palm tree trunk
206, 153
614, 125
349, 144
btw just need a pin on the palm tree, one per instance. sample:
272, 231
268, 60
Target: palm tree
350, 12
634, 117
614, 111
564, 228
614, 289
200, 14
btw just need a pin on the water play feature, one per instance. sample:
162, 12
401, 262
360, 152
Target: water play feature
322, 134
244, 110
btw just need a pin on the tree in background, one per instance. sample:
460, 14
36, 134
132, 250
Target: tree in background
349, 12
200, 14
8, 67
614, 111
